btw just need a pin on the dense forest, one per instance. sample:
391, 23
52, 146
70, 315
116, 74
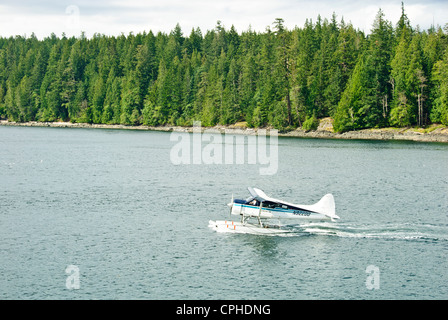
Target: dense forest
397, 75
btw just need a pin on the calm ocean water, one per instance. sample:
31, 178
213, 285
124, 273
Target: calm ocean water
135, 226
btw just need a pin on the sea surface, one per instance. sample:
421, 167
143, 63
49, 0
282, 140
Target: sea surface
107, 214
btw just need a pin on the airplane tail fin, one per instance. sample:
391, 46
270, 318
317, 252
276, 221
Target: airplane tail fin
326, 206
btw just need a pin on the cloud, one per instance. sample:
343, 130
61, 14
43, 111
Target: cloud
116, 17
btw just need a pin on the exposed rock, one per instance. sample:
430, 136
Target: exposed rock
433, 133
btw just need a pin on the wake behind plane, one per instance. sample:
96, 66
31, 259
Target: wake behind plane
263, 208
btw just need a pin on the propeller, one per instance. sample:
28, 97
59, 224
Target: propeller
231, 205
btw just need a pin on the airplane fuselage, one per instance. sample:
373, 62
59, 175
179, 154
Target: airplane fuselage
274, 211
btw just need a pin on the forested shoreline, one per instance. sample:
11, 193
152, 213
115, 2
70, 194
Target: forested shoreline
395, 76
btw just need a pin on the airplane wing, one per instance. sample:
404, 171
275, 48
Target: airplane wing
261, 196
257, 194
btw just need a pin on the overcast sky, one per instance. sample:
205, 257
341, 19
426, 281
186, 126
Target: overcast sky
23, 17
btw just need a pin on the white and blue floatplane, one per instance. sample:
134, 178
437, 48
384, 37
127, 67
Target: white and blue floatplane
263, 208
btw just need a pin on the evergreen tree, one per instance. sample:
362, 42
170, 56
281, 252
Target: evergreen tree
283, 66
401, 110
378, 68
356, 100
440, 78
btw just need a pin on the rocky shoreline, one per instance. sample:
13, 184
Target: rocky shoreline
325, 131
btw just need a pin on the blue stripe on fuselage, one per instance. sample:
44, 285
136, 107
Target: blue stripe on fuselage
274, 209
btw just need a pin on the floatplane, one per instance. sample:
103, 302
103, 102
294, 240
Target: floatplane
263, 208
